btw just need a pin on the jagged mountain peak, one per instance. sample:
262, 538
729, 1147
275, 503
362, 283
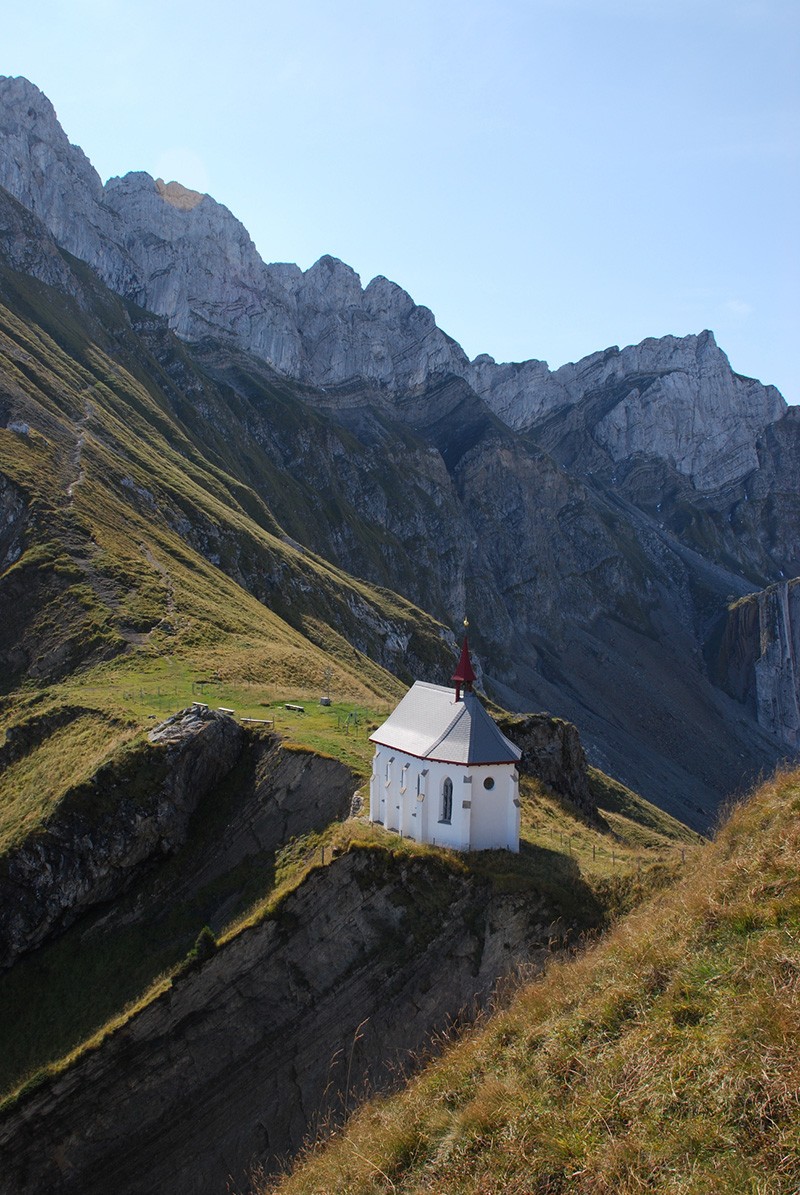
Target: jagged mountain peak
383, 296
38, 160
137, 197
27, 102
332, 283
679, 400
186, 257
33, 139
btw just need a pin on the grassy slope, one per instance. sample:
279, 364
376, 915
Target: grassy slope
124, 618
77, 988
128, 593
664, 1059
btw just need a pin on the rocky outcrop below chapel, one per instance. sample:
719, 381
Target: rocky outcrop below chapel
552, 752
278, 1033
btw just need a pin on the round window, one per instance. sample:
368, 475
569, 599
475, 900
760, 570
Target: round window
488, 782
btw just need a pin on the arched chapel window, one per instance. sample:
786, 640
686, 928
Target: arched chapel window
447, 800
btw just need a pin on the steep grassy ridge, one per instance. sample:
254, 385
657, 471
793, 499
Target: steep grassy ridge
134, 568
139, 574
665, 1059
232, 871
108, 451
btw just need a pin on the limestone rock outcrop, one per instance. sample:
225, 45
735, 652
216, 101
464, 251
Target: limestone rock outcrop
674, 397
13, 515
778, 666
41, 168
106, 829
552, 752
26, 246
521, 392
184, 256
690, 409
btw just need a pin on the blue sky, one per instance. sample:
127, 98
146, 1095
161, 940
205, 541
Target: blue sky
550, 177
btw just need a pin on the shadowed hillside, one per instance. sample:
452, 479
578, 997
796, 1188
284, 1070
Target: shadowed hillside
136, 570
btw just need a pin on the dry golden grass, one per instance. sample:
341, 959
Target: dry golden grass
664, 1059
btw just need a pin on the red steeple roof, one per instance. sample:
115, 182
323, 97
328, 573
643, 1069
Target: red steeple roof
464, 673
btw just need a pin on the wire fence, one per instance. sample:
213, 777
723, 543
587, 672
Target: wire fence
572, 844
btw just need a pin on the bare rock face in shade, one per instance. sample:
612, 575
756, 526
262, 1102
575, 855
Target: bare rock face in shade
247, 1054
759, 658
104, 830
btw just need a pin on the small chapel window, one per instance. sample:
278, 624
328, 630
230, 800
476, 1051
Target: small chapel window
447, 800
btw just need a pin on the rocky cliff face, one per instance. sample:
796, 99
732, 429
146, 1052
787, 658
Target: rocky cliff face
281, 1028
777, 668
675, 398
552, 752
26, 245
13, 515
183, 255
759, 658
105, 830
680, 401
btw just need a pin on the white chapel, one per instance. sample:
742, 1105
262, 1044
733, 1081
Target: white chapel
443, 771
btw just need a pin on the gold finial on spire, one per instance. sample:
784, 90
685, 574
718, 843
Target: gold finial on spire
466, 623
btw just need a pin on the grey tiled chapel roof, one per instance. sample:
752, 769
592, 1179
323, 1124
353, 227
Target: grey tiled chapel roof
430, 724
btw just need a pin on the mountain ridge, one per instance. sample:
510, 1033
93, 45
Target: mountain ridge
595, 571
194, 262
181, 517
